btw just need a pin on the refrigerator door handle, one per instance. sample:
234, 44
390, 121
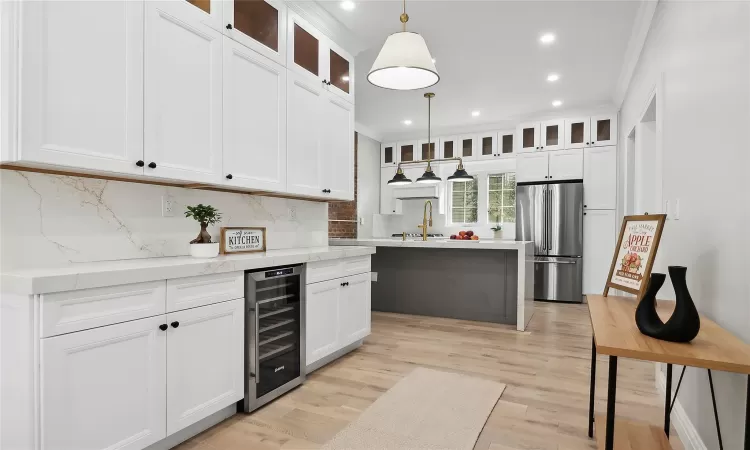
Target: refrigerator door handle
548, 214
544, 213
554, 262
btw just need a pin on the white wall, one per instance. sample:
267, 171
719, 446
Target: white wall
702, 51
368, 184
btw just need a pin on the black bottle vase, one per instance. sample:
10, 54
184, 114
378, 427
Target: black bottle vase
685, 322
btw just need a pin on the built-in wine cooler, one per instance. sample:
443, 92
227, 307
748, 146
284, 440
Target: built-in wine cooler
274, 333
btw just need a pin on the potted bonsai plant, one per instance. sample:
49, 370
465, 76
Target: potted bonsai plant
498, 231
201, 246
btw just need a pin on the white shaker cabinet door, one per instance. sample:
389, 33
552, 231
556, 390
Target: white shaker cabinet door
566, 165
82, 91
254, 120
183, 94
354, 309
322, 309
204, 361
304, 135
105, 388
600, 178
532, 167
599, 236
338, 148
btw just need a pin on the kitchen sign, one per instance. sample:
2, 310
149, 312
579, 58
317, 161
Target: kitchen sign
242, 240
635, 252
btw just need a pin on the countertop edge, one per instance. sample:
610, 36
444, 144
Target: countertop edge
68, 278
478, 245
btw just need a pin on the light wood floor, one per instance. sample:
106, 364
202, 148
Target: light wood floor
544, 406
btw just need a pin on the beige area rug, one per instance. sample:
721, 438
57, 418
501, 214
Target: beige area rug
427, 409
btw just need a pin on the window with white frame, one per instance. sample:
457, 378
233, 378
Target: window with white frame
464, 195
501, 198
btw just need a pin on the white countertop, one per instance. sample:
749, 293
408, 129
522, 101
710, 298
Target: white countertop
110, 273
490, 244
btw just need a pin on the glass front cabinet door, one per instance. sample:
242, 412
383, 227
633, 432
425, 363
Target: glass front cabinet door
577, 132
408, 151
604, 130
505, 143
258, 24
467, 147
388, 155
528, 137
305, 49
449, 147
428, 152
487, 143
340, 74
552, 135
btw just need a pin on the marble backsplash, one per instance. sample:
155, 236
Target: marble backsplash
53, 220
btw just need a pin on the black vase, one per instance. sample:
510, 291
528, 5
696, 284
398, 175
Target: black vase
685, 322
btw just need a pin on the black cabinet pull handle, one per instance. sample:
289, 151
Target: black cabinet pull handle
342, 284
584, 214
163, 327
152, 165
229, 26
175, 324
140, 163
585, 206
229, 176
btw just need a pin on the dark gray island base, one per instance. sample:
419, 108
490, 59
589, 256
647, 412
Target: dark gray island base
458, 283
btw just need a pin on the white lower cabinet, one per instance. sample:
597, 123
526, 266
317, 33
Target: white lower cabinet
599, 236
204, 361
105, 388
322, 314
354, 309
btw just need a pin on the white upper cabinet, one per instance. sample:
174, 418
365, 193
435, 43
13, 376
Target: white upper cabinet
81, 99
259, 25
467, 147
600, 178
409, 151
487, 145
505, 143
448, 147
604, 130
205, 357
105, 387
532, 167
211, 11
428, 152
339, 73
577, 132
183, 95
389, 155
305, 50
338, 148
552, 134
255, 119
566, 165
304, 135
528, 138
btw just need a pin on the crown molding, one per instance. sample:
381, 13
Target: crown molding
322, 20
638, 35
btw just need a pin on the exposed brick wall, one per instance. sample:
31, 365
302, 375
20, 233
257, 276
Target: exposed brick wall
344, 210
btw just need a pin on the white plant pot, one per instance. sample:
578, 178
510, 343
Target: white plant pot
204, 250
498, 234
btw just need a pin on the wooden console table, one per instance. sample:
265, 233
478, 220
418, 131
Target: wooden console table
616, 335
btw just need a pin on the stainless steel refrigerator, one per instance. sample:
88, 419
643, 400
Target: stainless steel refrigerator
551, 215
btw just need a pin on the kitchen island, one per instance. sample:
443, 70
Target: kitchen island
486, 280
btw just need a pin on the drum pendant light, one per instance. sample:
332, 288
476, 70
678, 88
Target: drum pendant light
429, 176
404, 63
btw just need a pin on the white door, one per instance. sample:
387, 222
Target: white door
532, 167
552, 135
467, 147
303, 136
388, 155
604, 130
259, 25
305, 54
408, 151
105, 388
598, 247
354, 309
339, 70
505, 143
205, 355
527, 137
322, 309
82, 92
254, 120
577, 132
388, 204
600, 178
338, 147
566, 165
486, 145
183, 98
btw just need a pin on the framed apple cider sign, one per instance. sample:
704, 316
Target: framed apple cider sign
635, 252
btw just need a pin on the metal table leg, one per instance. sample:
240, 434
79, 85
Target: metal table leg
609, 442
593, 388
668, 400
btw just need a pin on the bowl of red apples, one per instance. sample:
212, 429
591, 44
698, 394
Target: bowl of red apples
464, 236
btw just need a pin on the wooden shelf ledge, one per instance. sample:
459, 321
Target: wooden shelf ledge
631, 435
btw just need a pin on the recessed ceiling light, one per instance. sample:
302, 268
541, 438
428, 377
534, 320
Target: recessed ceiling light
348, 5
557, 103
547, 38
345, 78
553, 77
406, 122
475, 114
